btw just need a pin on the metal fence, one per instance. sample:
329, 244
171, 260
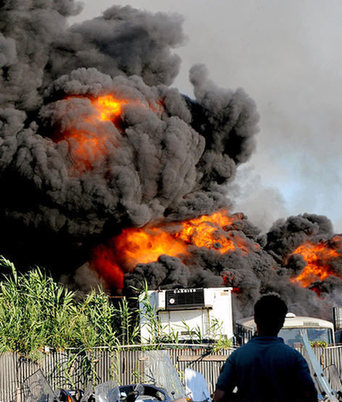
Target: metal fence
75, 369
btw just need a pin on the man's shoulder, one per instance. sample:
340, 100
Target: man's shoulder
290, 350
287, 352
246, 348
276, 343
284, 346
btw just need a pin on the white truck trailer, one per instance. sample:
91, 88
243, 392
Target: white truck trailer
188, 314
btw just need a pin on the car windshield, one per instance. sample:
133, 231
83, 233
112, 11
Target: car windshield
292, 336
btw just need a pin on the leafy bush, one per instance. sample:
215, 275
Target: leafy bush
318, 344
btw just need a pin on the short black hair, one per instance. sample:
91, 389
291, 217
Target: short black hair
270, 311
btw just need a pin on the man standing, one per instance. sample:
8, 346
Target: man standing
265, 369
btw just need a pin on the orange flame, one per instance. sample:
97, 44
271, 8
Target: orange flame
131, 247
147, 245
144, 245
318, 258
209, 231
108, 108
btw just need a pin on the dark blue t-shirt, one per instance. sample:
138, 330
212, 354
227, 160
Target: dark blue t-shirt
266, 370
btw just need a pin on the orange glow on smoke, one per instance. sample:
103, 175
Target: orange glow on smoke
90, 135
144, 245
86, 148
105, 264
319, 258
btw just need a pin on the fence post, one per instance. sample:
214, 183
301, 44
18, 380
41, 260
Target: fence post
18, 394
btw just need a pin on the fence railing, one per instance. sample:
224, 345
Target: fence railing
74, 369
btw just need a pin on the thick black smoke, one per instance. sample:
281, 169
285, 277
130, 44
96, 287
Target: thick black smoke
169, 157
159, 166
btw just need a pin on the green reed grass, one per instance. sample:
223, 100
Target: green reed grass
35, 312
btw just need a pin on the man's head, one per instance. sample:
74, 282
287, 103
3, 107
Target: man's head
269, 314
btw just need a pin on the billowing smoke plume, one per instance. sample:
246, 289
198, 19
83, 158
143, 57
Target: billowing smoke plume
72, 177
